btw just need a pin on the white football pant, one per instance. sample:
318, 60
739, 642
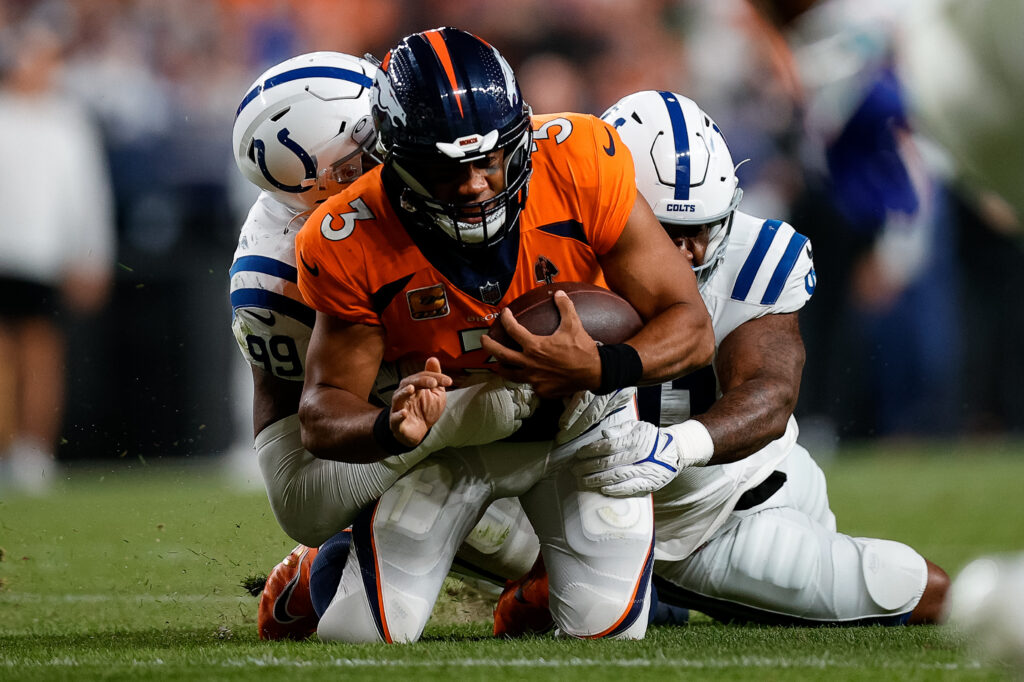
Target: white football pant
783, 562
597, 549
314, 498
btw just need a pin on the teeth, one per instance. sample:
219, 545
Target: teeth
471, 233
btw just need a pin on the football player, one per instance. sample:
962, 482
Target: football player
413, 261
301, 133
744, 529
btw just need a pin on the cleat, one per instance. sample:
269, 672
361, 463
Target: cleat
522, 608
286, 610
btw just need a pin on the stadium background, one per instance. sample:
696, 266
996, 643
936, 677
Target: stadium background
893, 343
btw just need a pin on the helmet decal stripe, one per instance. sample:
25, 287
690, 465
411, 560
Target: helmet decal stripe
306, 72
682, 140
445, 57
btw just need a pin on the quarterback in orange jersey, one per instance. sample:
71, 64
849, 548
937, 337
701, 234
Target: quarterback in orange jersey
433, 299
413, 262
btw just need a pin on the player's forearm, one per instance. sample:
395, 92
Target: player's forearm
676, 342
338, 425
273, 399
747, 418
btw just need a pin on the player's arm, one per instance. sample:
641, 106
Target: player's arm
647, 269
758, 367
337, 420
677, 336
273, 398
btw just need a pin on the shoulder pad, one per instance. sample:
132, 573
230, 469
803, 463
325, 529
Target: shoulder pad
769, 262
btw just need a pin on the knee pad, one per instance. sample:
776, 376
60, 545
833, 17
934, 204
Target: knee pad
415, 502
894, 574
502, 546
606, 522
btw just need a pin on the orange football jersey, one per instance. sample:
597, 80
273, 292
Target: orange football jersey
359, 264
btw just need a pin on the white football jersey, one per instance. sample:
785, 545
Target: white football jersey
271, 322
767, 269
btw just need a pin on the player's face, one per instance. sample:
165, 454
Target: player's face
469, 182
692, 240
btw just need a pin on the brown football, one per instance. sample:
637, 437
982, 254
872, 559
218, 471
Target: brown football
606, 316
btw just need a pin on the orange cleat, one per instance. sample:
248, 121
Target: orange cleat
522, 608
286, 610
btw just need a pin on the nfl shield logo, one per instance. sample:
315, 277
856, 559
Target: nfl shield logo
427, 303
490, 293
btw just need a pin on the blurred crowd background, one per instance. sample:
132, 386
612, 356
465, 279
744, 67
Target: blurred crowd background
914, 330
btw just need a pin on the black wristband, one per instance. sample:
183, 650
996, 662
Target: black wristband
620, 367
385, 437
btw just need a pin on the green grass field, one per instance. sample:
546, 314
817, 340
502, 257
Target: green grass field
132, 571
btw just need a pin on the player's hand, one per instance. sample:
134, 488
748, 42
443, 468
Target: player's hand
584, 409
481, 414
557, 365
629, 460
418, 403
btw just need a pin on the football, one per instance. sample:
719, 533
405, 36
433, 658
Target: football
606, 316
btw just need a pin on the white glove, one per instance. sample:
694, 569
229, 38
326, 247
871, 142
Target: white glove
636, 458
584, 409
480, 414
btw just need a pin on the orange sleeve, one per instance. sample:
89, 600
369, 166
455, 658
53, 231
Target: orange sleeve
611, 165
332, 274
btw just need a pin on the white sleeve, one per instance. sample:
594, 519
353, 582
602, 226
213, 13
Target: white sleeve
768, 269
778, 271
271, 322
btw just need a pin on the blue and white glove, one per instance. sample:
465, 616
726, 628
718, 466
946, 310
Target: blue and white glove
584, 410
637, 458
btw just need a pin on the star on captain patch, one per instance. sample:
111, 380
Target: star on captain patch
427, 303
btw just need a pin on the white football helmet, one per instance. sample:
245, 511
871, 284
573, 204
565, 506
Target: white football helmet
303, 126
683, 165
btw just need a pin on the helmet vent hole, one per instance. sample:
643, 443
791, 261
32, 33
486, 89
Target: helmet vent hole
636, 117
342, 128
278, 115
251, 152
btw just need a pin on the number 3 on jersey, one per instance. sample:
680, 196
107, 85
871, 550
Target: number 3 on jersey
347, 220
